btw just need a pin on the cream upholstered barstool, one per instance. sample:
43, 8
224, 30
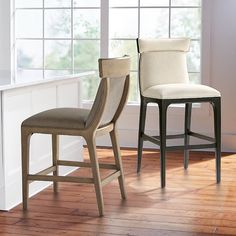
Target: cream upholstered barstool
101, 119
163, 79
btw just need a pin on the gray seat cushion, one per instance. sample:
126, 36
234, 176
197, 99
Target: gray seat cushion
65, 118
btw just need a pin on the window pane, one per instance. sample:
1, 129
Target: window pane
28, 75
57, 23
154, 2
25, 27
29, 53
195, 78
119, 48
29, 3
185, 2
53, 73
86, 54
154, 22
133, 92
185, 23
86, 23
123, 3
57, 3
58, 54
90, 86
123, 23
194, 57
86, 3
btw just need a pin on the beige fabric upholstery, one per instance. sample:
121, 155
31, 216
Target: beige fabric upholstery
116, 88
115, 72
163, 70
109, 68
149, 45
178, 91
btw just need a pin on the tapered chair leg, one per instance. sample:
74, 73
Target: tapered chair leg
162, 126
25, 146
188, 110
118, 161
96, 174
142, 118
217, 129
55, 150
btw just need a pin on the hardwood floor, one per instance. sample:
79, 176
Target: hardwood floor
191, 204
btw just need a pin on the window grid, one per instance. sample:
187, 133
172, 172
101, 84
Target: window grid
104, 31
44, 39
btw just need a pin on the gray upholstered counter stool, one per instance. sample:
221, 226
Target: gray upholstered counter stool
101, 119
163, 79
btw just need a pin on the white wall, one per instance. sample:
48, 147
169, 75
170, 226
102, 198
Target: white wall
223, 65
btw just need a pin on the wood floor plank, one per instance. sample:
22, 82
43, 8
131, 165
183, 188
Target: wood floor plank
191, 204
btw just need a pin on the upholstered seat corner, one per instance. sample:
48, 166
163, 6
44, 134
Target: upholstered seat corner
179, 91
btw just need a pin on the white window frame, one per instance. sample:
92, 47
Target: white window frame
72, 38
128, 125
105, 36
104, 31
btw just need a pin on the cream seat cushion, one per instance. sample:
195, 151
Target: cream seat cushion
64, 118
178, 91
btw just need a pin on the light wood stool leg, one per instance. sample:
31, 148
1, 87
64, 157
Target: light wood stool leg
96, 175
118, 161
25, 146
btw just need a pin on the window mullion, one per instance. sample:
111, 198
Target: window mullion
43, 40
104, 35
72, 37
169, 27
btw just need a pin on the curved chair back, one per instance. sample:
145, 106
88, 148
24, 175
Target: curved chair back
112, 92
162, 61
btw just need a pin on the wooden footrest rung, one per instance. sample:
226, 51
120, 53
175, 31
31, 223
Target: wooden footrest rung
86, 164
110, 177
60, 178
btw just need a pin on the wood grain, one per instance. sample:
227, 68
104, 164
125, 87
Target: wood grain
191, 204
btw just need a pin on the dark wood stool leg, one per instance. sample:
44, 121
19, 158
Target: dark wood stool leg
217, 129
188, 110
142, 118
55, 153
162, 126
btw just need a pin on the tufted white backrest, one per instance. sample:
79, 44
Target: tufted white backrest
162, 61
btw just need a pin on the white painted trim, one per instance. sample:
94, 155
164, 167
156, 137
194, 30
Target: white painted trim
5, 39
